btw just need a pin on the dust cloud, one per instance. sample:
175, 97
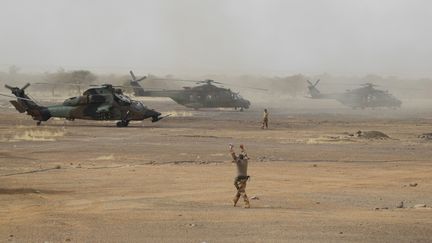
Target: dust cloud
275, 45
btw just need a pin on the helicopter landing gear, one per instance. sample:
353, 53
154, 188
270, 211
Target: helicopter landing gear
122, 123
38, 123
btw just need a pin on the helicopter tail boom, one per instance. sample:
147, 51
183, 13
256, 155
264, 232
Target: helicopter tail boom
137, 88
25, 104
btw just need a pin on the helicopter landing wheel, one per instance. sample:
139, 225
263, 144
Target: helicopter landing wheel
38, 123
122, 123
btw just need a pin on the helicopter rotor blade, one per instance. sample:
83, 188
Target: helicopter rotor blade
12, 96
369, 85
216, 82
110, 85
133, 75
247, 87
210, 81
311, 84
189, 80
8, 87
140, 79
179, 80
63, 84
104, 85
134, 78
25, 86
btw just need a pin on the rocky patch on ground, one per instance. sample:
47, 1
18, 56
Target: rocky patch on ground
426, 136
372, 135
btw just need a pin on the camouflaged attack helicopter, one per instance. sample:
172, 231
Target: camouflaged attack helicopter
365, 97
206, 95
103, 103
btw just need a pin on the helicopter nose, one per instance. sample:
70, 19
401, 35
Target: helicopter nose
155, 116
152, 113
399, 103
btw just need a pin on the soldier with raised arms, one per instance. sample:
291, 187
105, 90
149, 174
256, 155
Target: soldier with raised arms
242, 177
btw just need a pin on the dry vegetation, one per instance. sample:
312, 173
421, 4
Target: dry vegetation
64, 82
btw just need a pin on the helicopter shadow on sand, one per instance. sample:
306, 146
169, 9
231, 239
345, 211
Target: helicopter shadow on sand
96, 125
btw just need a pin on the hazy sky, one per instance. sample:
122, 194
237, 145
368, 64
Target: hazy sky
220, 36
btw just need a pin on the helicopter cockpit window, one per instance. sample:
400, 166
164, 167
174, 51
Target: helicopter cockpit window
138, 105
236, 96
121, 98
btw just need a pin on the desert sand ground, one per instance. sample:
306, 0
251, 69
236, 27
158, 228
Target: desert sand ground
171, 181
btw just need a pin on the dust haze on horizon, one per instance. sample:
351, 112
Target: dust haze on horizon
269, 37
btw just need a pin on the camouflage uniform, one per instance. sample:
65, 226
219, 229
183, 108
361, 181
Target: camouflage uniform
241, 179
265, 119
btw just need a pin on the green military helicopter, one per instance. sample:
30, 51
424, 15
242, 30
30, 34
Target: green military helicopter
206, 95
103, 103
366, 96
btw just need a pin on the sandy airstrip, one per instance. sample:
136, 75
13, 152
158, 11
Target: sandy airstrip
171, 181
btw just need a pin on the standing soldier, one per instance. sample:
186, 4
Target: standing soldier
240, 181
265, 119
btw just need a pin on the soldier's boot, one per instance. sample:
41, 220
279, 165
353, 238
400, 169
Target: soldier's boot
235, 200
247, 204
246, 200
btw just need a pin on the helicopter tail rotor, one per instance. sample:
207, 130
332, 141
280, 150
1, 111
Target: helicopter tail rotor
132, 75
25, 86
25, 104
313, 91
8, 87
13, 88
134, 78
313, 85
17, 91
137, 88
